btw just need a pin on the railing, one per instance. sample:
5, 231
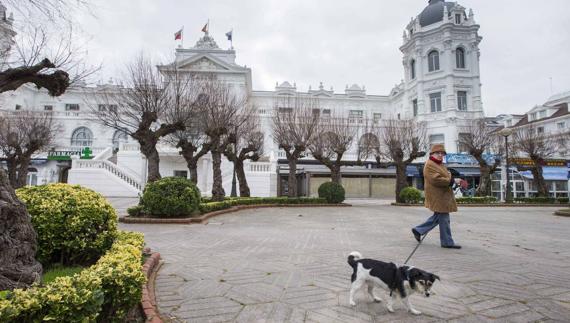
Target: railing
105, 154
110, 167
129, 147
259, 167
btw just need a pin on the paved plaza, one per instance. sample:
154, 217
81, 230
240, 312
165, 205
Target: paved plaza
289, 265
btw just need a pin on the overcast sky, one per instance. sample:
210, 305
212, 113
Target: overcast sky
525, 43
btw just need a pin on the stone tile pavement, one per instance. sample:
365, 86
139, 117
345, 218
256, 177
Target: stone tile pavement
289, 265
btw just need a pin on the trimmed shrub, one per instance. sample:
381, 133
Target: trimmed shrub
136, 210
171, 197
411, 195
216, 206
75, 225
104, 292
332, 192
476, 200
541, 200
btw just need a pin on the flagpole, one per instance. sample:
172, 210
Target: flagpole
232, 39
182, 37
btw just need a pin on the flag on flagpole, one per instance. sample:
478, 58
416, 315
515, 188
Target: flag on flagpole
178, 34
229, 35
205, 28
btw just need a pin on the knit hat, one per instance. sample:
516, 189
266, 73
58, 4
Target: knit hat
436, 148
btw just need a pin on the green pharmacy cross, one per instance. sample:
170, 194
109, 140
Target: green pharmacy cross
86, 153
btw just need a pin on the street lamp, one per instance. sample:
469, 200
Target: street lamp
506, 132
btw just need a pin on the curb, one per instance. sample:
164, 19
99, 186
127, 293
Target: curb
148, 301
486, 205
562, 212
205, 217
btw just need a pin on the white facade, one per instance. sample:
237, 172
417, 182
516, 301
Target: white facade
441, 86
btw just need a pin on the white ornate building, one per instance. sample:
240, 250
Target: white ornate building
441, 85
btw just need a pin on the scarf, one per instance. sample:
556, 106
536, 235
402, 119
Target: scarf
435, 160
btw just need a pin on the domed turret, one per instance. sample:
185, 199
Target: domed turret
434, 12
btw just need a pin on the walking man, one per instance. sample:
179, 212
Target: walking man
439, 198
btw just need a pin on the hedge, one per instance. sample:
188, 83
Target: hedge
332, 192
75, 225
104, 292
476, 200
170, 197
226, 204
410, 195
541, 200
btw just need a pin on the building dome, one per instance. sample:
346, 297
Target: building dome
433, 13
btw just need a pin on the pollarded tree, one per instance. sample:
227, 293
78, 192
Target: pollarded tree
401, 142
246, 142
220, 105
148, 108
538, 146
477, 138
334, 137
23, 134
193, 144
18, 267
294, 126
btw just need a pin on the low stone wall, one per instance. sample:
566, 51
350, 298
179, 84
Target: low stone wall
148, 301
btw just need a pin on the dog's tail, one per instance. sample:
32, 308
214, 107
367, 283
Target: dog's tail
353, 257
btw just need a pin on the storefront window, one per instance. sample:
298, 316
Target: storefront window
561, 185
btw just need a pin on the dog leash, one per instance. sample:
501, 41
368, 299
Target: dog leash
416, 248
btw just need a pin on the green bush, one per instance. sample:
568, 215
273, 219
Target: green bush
476, 200
332, 192
410, 195
171, 197
136, 210
75, 225
104, 292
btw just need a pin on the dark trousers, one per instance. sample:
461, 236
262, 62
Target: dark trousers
444, 227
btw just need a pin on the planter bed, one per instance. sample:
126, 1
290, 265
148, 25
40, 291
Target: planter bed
488, 204
204, 217
563, 212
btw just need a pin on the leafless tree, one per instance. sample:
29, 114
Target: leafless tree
334, 137
220, 105
295, 123
193, 144
246, 142
477, 138
18, 240
149, 107
400, 143
23, 134
538, 146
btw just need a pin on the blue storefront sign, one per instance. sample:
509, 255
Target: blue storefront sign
467, 159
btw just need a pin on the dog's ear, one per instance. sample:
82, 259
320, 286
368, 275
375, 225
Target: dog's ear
434, 277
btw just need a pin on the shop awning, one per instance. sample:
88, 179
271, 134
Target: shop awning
468, 171
550, 173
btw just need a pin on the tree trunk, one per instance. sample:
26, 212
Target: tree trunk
240, 173
12, 166
153, 162
335, 174
401, 180
193, 168
23, 172
18, 267
484, 188
541, 187
292, 178
218, 192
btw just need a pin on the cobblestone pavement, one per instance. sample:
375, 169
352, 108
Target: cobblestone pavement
289, 265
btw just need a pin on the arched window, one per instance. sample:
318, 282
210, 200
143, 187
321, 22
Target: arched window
118, 138
460, 57
413, 69
368, 146
433, 61
82, 137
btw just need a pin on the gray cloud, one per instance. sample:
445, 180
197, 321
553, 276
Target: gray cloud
343, 42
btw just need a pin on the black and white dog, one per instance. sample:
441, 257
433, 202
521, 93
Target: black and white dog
398, 281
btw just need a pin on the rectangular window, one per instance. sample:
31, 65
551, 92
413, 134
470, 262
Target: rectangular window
462, 100
415, 106
112, 107
72, 107
458, 19
398, 116
542, 114
326, 112
435, 101
437, 139
355, 114
48, 107
102, 107
377, 117
540, 130
18, 107
532, 116
561, 125
286, 110
316, 112
181, 173
463, 142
